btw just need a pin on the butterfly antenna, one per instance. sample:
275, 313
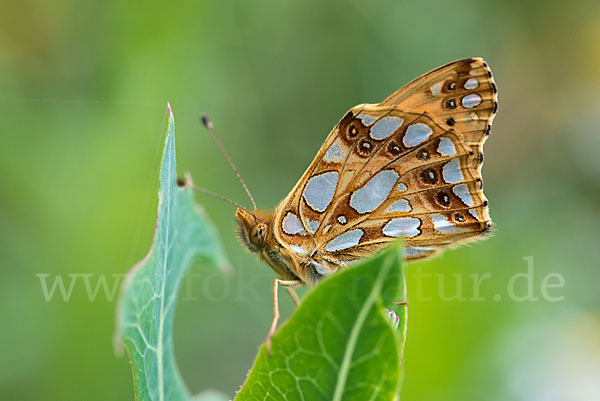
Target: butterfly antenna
214, 195
209, 126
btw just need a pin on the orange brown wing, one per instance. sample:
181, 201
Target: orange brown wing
409, 166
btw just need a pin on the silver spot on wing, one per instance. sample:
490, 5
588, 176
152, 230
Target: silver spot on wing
345, 240
471, 101
452, 172
446, 147
385, 127
462, 191
442, 225
291, 224
401, 205
405, 226
416, 134
374, 192
320, 189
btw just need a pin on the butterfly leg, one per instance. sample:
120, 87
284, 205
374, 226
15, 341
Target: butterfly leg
276, 283
293, 295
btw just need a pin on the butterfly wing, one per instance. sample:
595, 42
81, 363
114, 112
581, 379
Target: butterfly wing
461, 95
409, 166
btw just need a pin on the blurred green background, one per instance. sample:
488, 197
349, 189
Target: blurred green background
83, 92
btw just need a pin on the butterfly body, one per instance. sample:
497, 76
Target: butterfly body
407, 167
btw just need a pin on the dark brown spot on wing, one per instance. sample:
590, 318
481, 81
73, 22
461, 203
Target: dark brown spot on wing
443, 199
429, 176
422, 154
365, 147
393, 149
450, 104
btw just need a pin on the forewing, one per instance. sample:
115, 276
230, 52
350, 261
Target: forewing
461, 95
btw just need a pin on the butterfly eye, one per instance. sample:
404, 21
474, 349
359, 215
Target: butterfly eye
450, 104
258, 234
443, 199
422, 154
459, 217
429, 176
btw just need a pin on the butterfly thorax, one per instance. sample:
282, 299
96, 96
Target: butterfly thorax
256, 234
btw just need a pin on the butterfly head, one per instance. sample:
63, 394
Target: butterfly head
252, 231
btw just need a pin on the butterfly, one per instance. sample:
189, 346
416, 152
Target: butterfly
408, 167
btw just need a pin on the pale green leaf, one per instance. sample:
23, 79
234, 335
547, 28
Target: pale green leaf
145, 316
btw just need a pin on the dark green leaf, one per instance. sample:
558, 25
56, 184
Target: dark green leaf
340, 343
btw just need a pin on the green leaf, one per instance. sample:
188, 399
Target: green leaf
182, 236
340, 343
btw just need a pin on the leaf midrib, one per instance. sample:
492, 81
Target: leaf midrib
159, 350
353, 339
